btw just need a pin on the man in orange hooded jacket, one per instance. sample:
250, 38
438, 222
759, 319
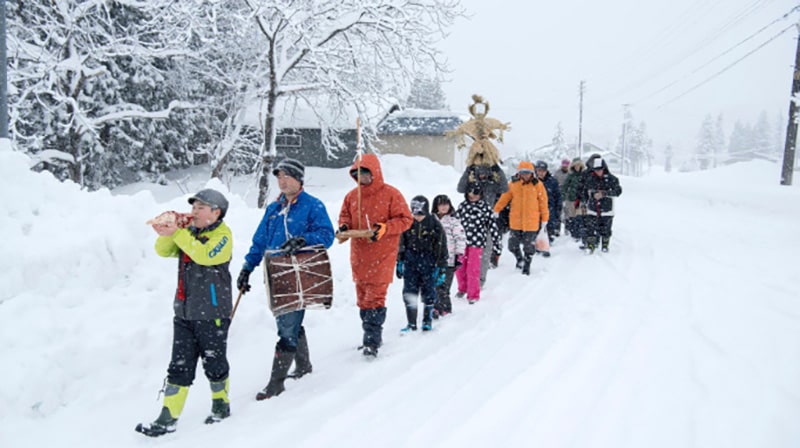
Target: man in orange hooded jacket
377, 206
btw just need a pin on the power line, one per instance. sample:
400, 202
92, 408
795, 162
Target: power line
729, 66
714, 35
740, 43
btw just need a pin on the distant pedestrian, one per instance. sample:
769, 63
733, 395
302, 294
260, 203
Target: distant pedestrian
597, 191
553, 226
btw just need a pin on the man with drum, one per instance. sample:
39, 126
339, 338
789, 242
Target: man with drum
294, 220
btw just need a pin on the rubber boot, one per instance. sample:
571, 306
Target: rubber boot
280, 370
174, 399
302, 359
518, 255
220, 403
526, 265
591, 244
372, 321
605, 243
411, 316
427, 318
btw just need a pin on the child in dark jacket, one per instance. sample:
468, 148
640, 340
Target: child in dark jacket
421, 263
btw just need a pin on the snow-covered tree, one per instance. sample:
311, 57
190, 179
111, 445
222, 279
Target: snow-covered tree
426, 93
634, 146
719, 142
740, 145
330, 56
762, 136
706, 143
559, 142
91, 87
668, 154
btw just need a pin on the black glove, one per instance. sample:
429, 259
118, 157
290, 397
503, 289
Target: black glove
458, 261
243, 282
342, 228
493, 260
292, 245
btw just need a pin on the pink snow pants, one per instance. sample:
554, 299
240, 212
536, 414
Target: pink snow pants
469, 273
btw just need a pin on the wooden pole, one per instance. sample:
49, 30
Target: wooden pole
359, 152
787, 171
236, 304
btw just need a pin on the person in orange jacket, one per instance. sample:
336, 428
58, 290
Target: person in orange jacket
528, 199
377, 206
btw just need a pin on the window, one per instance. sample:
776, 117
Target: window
288, 140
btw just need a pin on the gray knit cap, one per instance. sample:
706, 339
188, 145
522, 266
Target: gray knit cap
291, 167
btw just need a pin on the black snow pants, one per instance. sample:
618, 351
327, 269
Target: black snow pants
198, 339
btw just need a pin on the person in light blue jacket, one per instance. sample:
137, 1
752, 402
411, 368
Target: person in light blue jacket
293, 221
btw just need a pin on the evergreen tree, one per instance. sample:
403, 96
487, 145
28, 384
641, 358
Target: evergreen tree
668, 153
762, 136
426, 93
560, 150
706, 143
740, 144
719, 142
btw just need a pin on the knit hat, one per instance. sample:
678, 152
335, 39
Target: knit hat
541, 165
565, 162
419, 205
597, 163
292, 168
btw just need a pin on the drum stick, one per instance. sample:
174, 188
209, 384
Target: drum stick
236, 304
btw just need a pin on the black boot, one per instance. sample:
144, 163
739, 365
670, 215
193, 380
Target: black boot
591, 244
605, 244
520, 260
280, 369
427, 318
411, 316
526, 265
372, 323
302, 360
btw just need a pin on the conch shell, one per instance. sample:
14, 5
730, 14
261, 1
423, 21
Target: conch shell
181, 220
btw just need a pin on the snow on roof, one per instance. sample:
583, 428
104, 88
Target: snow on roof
420, 122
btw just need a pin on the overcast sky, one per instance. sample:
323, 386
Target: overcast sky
528, 58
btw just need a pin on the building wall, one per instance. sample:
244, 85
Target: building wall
305, 145
436, 148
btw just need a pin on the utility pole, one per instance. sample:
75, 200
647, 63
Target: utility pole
3, 74
625, 114
791, 129
580, 119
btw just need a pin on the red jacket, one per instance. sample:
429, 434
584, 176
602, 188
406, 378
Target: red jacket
374, 262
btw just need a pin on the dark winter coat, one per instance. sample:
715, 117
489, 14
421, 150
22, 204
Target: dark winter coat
570, 190
554, 203
492, 180
204, 276
605, 183
424, 243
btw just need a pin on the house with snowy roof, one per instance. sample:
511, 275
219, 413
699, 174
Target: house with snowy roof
418, 132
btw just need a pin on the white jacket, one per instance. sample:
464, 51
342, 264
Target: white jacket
456, 239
